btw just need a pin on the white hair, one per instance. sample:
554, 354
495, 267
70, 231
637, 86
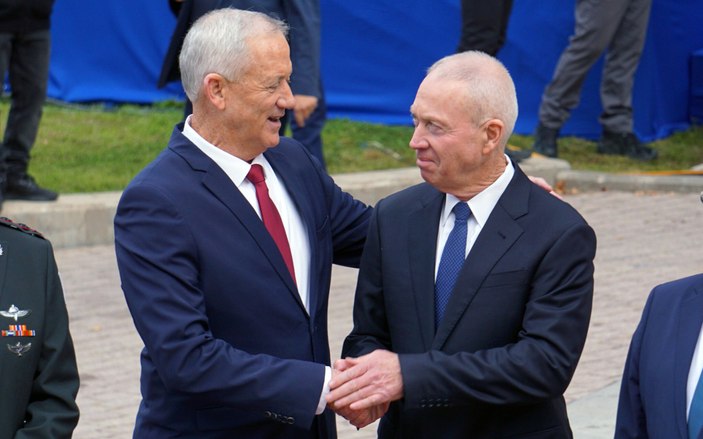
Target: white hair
490, 90
218, 43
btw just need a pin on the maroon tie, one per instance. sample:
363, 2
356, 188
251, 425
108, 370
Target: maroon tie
269, 213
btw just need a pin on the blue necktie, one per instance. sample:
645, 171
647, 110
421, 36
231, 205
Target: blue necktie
695, 413
451, 262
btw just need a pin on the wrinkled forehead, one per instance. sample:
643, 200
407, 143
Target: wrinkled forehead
437, 91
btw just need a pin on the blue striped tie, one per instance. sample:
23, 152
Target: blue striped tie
695, 413
451, 262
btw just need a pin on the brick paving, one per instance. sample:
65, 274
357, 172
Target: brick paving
643, 240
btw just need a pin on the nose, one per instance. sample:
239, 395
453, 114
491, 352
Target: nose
418, 140
286, 100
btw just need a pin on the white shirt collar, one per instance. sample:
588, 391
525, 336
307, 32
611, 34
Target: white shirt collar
482, 204
235, 168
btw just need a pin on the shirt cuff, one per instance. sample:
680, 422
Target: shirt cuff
325, 390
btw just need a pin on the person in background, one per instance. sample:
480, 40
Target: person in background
661, 394
484, 25
225, 245
617, 27
25, 40
475, 287
38, 373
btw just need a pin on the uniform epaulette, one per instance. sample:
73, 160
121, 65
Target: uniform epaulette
21, 227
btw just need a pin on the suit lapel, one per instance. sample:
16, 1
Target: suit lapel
689, 329
295, 186
422, 236
218, 183
497, 236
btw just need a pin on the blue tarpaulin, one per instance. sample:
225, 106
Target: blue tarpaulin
375, 53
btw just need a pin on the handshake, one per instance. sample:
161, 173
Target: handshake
361, 389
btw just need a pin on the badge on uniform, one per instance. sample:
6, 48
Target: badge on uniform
15, 313
19, 348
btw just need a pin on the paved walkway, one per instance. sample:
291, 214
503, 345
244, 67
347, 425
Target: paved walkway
643, 240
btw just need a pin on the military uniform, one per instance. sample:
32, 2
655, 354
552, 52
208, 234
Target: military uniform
38, 373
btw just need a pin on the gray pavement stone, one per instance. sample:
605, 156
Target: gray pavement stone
643, 239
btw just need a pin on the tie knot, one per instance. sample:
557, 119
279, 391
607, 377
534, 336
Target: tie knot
461, 211
256, 174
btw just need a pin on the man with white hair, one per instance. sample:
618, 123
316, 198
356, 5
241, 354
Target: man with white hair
225, 244
475, 287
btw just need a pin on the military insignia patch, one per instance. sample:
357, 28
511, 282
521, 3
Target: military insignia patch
15, 313
19, 348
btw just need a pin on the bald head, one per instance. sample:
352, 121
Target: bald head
486, 84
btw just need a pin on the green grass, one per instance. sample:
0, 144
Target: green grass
91, 148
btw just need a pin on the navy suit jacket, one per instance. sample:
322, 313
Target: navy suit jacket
653, 391
514, 328
230, 350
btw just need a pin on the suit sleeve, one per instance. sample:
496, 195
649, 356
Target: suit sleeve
159, 269
303, 17
52, 410
631, 421
349, 222
370, 325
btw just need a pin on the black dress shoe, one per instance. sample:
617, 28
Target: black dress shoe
23, 187
546, 141
625, 144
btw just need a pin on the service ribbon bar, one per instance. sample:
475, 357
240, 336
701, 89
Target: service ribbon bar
18, 331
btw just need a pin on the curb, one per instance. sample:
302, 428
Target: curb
77, 220
584, 181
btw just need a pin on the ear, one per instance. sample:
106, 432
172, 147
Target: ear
214, 89
493, 132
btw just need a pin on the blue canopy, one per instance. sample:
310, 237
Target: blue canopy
375, 53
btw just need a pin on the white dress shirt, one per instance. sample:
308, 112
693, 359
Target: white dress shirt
481, 206
694, 372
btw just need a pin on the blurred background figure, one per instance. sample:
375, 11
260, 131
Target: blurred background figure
484, 25
303, 16
618, 27
25, 41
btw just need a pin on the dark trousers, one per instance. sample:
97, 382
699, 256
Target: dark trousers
311, 134
617, 27
25, 56
484, 25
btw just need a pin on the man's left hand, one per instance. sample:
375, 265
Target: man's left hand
367, 381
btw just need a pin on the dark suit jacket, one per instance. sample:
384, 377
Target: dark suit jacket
39, 386
653, 392
514, 328
230, 350
303, 17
